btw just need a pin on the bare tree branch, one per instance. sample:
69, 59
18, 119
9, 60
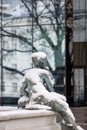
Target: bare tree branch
12, 70
10, 34
39, 25
22, 51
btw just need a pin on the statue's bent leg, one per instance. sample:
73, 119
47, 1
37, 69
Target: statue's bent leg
67, 115
57, 95
57, 105
23, 101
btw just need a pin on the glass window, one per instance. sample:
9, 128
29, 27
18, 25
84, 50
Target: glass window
78, 83
79, 21
48, 40
29, 26
14, 86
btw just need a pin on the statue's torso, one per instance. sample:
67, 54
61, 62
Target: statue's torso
34, 78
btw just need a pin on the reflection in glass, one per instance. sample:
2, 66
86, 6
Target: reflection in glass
29, 26
17, 48
15, 13
28, 11
78, 83
51, 41
79, 20
48, 11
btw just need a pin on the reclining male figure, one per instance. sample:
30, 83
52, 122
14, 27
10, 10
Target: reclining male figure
37, 87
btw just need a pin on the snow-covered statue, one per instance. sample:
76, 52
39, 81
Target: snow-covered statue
38, 93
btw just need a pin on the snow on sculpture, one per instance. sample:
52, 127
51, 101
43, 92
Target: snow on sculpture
37, 90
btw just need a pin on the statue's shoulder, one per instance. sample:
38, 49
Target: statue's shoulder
29, 71
32, 71
45, 71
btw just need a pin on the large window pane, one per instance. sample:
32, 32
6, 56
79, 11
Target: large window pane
78, 83
48, 40
79, 20
16, 13
48, 11
29, 26
17, 48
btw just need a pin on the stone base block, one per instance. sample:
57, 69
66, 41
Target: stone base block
28, 120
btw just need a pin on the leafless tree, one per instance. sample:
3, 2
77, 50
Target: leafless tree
52, 13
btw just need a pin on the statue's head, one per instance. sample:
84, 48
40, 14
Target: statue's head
39, 59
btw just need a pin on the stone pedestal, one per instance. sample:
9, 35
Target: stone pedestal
28, 120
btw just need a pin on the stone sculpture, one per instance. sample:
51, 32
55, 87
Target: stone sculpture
37, 90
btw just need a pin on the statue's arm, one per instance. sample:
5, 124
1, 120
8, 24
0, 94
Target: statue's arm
49, 81
23, 86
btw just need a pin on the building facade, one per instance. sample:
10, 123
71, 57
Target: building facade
76, 49
80, 51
